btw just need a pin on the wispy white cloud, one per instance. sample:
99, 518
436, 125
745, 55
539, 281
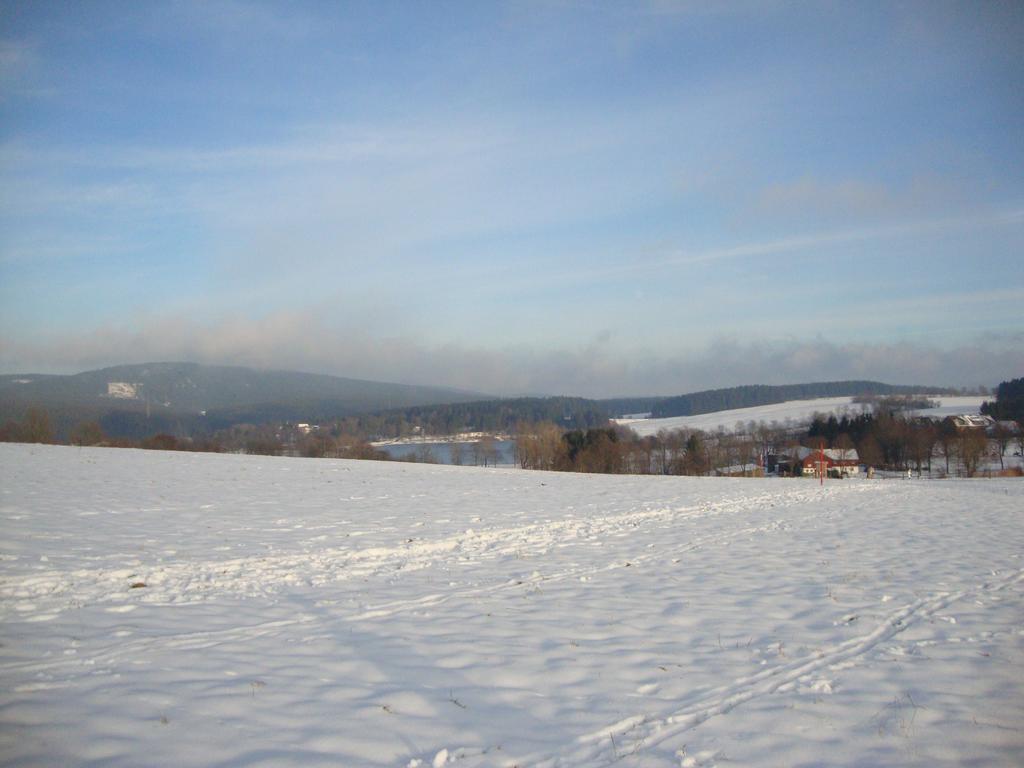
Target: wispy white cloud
324, 195
545, 168
977, 220
662, 259
303, 147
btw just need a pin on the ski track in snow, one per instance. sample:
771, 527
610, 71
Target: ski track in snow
303, 612
57, 590
644, 730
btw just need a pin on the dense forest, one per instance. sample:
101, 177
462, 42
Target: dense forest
1009, 402
480, 416
618, 407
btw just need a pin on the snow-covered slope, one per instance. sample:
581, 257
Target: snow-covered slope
954, 406
169, 609
793, 411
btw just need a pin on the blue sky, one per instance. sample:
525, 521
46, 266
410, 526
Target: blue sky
592, 198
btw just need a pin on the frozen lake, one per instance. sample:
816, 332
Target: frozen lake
441, 452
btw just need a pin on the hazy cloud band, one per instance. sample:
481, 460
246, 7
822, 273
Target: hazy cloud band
302, 341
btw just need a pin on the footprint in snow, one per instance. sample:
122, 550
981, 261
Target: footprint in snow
703, 759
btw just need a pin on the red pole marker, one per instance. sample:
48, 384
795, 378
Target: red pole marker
821, 462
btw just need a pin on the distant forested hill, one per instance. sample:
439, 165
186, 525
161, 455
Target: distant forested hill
188, 398
713, 400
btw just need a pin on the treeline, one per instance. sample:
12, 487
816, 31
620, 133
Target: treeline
616, 451
132, 424
618, 407
264, 440
35, 427
260, 440
576, 437
1009, 402
137, 423
482, 416
894, 441
713, 400
891, 438
888, 437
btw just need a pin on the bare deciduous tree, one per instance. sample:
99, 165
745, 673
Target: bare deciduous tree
455, 453
972, 446
87, 433
1002, 434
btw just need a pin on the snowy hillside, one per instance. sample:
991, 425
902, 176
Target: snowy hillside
792, 411
172, 609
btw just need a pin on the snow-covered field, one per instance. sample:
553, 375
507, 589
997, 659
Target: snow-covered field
954, 406
793, 411
172, 609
